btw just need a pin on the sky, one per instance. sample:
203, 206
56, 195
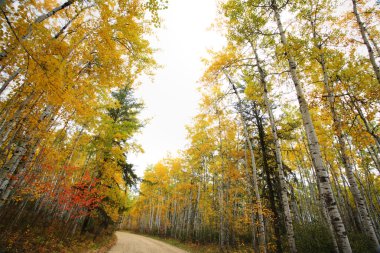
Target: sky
171, 99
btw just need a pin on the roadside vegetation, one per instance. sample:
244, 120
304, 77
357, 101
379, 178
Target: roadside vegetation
68, 73
283, 154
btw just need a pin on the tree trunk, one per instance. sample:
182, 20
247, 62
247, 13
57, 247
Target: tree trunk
284, 192
261, 227
337, 125
39, 19
268, 179
362, 29
324, 181
374, 155
9, 80
250, 189
10, 167
369, 127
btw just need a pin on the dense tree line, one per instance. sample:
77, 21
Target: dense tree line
67, 112
284, 154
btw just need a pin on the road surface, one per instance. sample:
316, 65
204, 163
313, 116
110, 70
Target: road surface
131, 243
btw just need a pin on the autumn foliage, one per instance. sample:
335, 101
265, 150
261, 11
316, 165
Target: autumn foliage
68, 113
284, 153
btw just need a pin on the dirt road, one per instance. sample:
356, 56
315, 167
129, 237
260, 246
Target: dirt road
131, 243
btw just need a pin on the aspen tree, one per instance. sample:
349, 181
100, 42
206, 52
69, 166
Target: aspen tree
324, 181
341, 136
261, 226
284, 191
364, 35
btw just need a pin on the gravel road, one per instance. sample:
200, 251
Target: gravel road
131, 243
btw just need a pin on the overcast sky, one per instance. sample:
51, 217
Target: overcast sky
171, 100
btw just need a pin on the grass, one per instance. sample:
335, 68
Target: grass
48, 240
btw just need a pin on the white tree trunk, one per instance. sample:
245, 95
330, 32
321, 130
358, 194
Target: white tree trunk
337, 123
366, 41
9, 80
9, 169
322, 174
261, 226
284, 192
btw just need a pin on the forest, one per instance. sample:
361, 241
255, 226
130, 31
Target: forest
68, 112
283, 155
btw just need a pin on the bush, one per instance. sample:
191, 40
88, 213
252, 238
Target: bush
360, 243
313, 237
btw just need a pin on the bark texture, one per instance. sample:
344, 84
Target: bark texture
261, 225
322, 174
337, 123
284, 192
363, 33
